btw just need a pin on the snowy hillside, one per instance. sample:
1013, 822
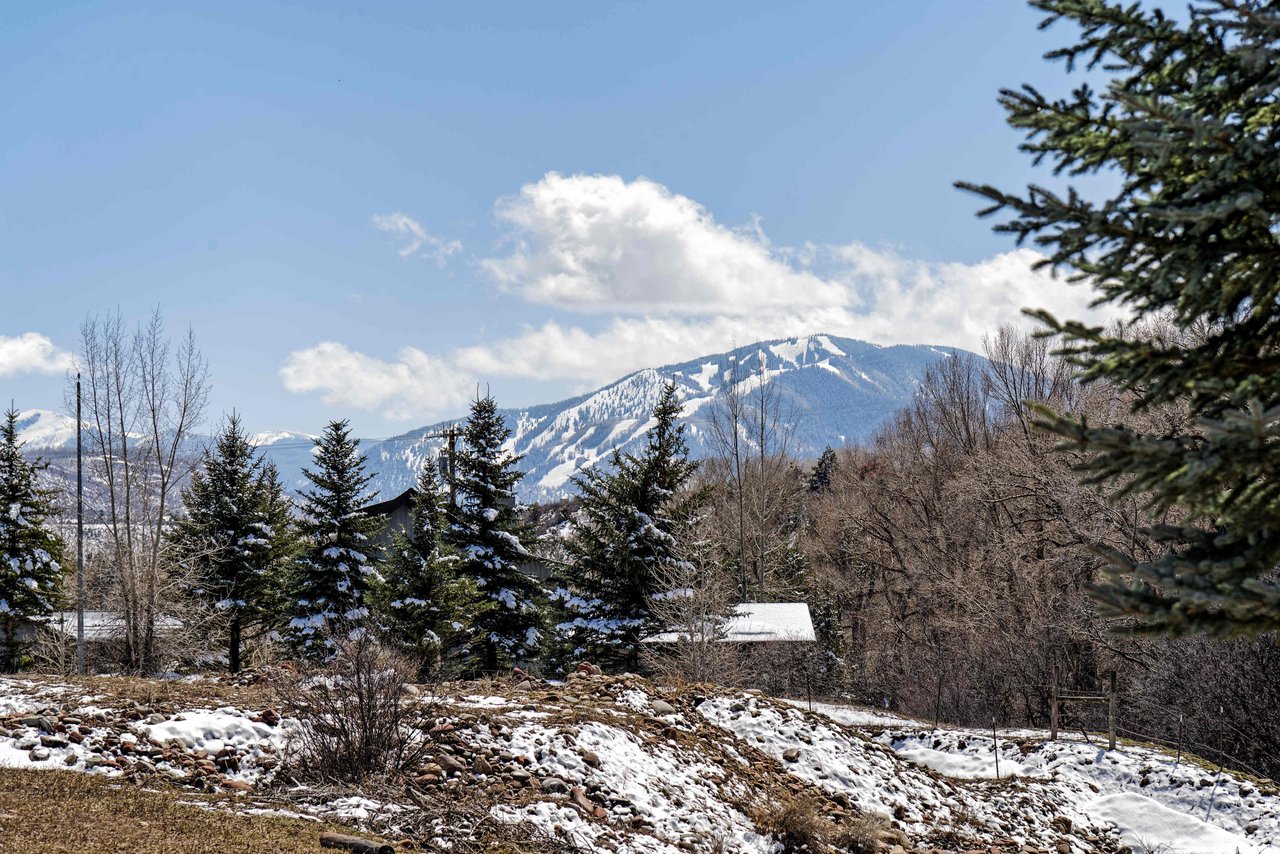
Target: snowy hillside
835, 390
616, 763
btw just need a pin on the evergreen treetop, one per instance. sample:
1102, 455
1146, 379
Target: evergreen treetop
626, 532
336, 567
486, 530
1189, 126
232, 535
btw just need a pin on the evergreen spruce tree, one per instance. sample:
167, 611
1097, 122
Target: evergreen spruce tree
488, 535
629, 523
226, 537
30, 573
337, 562
425, 607
1189, 126
284, 547
823, 471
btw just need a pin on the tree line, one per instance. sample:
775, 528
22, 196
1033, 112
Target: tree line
215, 540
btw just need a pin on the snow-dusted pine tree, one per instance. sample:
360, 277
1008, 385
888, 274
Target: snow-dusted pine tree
627, 531
487, 532
228, 537
336, 568
30, 574
425, 608
284, 547
1179, 113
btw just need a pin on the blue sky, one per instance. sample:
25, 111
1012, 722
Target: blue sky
365, 214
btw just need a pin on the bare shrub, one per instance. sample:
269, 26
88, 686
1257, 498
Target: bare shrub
862, 835
693, 606
355, 721
797, 825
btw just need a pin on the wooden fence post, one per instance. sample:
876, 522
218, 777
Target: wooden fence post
995, 743
1053, 706
1111, 710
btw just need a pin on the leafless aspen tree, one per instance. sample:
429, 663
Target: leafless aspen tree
693, 606
755, 482
144, 396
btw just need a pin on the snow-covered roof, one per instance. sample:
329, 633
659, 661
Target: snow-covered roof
102, 625
758, 622
770, 621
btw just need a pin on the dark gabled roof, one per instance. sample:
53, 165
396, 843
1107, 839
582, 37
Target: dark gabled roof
386, 508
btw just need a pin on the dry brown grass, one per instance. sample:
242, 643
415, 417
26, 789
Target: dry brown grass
200, 693
797, 824
57, 812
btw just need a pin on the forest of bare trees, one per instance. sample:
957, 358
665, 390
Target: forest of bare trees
960, 546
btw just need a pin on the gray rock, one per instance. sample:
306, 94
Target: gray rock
662, 707
39, 754
791, 754
554, 784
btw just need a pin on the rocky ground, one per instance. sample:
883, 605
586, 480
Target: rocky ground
615, 763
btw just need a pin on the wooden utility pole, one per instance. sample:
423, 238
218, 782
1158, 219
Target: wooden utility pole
79, 538
1053, 705
450, 434
1111, 710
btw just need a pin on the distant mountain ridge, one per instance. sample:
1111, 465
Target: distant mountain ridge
838, 390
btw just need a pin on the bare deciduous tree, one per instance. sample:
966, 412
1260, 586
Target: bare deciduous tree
755, 483
143, 398
693, 606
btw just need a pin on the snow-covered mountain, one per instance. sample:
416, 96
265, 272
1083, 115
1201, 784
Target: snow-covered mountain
835, 391
46, 430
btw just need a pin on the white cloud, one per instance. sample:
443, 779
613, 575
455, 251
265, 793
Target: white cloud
414, 385
599, 243
416, 240
655, 280
32, 352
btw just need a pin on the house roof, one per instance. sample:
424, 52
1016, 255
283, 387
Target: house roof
391, 505
101, 625
758, 622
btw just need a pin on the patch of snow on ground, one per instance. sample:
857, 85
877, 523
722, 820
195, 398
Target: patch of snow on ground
855, 715
635, 700
1146, 825
355, 808
962, 765
678, 795
22, 696
211, 731
1076, 773
832, 758
481, 701
556, 820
